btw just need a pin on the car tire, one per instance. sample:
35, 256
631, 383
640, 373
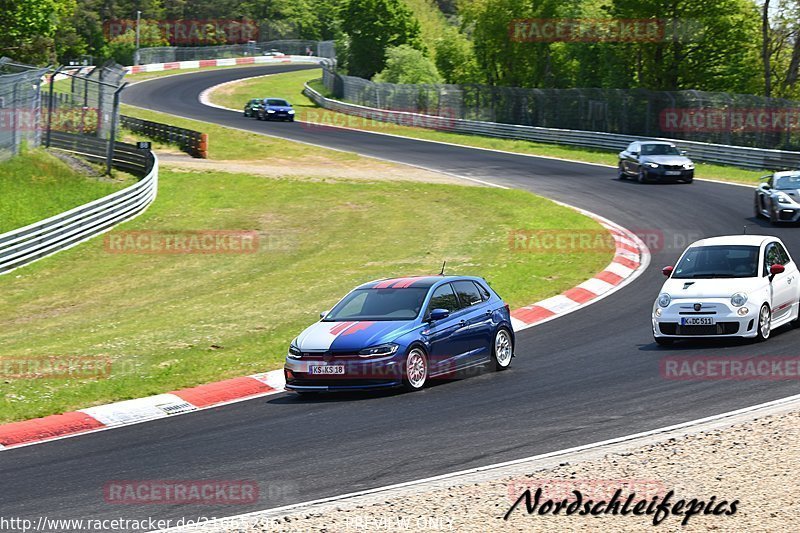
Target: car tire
415, 369
642, 176
757, 209
688, 180
762, 333
259, 117
621, 173
663, 341
502, 349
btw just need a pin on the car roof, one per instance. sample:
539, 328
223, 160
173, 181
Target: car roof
423, 282
741, 240
657, 142
786, 173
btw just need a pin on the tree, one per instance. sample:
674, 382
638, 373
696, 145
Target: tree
373, 26
405, 64
28, 27
122, 47
455, 58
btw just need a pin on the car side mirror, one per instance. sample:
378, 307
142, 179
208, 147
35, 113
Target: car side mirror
323, 313
667, 270
635, 154
683, 152
438, 314
774, 270
764, 186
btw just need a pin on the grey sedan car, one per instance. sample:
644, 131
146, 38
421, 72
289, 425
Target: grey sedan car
655, 161
778, 197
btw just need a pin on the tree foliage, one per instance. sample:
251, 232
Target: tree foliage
405, 64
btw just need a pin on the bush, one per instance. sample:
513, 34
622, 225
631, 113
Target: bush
405, 64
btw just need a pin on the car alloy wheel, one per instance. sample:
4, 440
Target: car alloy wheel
764, 323
503, 350
416, 369
620, 172
642, 176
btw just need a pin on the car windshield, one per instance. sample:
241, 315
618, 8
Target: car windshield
379, 304
792, 181
659, 149
275, 101
725, 261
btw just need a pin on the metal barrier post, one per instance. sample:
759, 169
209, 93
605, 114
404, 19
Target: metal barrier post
113, 136
50, 105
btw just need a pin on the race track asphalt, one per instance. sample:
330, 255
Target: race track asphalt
589, 376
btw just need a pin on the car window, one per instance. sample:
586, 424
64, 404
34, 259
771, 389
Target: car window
785, 259
379, 304
483, 290
789, 182
772, 256
659, 149
633, 147
720, 261
468, 294
275, 101
443, 298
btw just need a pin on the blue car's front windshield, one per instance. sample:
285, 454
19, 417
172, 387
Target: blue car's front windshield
379, 304
733, 261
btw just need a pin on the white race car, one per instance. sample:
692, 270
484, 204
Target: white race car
732, 286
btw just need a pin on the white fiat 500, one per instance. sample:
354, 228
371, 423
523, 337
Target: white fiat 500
733, 286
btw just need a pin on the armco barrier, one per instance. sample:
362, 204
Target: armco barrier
228, 62
739, 156
192, 142
40, 239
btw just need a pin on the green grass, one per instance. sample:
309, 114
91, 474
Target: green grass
289, 86
36, 185
172, 321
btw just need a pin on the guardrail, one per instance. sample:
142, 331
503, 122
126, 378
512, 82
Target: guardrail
192, 142
739, 156
40, 239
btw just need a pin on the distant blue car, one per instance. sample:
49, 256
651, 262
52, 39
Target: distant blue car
402, 332
275, 109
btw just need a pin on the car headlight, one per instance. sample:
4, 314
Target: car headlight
294, 351
688, 166
664, 300
738, 299
291, 111
652, 165
381, 350
270, 110
783, 199
657, 312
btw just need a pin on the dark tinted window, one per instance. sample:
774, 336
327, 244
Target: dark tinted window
443, 298
723, 261
276, 101
483, 290
467, 293
659, 149
379, 304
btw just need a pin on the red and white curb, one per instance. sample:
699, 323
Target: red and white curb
631, 258
228, 62
129, 412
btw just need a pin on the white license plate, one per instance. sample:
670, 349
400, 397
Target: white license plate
672, 172
697, 321
329, 369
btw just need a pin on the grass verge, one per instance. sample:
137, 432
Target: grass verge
172, 321
290, 85
36, 185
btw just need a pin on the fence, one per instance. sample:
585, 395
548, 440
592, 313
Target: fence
169, 54
721, 118
25, 245
192, 142
85, 102
20, 102
745, 157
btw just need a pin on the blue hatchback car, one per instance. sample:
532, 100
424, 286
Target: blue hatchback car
275, 109
402, 332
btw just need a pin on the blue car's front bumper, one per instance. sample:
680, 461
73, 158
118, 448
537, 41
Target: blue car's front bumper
359, 374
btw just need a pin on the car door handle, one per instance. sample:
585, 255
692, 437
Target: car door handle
462, 323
